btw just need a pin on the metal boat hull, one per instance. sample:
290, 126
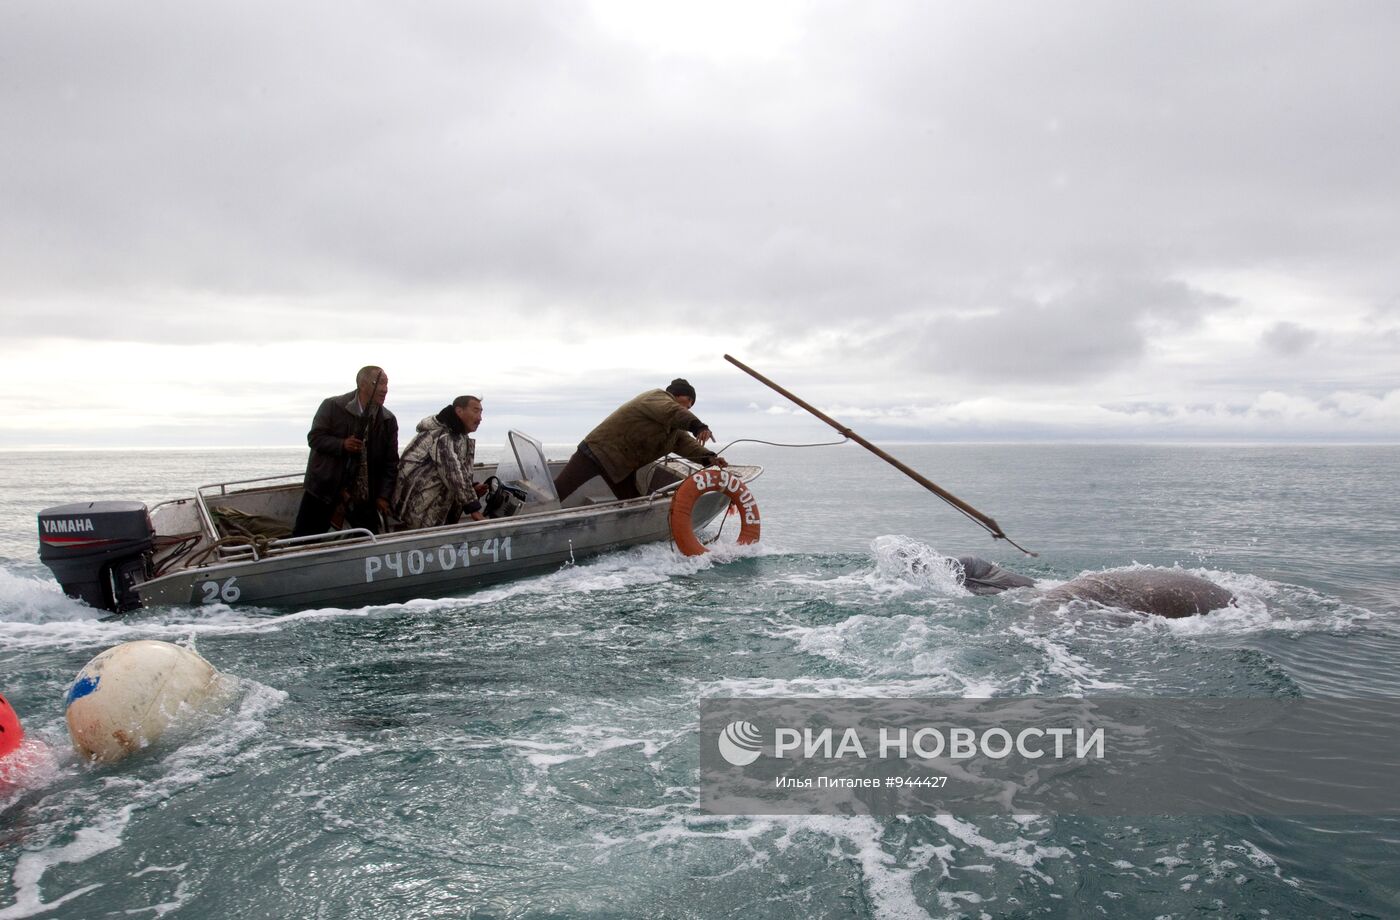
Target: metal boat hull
436, 562
230, 544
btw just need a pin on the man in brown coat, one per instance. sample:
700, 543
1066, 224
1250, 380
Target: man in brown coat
643, 429
345, 471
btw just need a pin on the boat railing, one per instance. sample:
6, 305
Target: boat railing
206, 519
746, 471
270, 547
665, 490
285, 544
260, 549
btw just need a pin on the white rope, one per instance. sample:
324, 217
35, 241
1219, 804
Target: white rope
776, 444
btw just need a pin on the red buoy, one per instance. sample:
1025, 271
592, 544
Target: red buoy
11, 732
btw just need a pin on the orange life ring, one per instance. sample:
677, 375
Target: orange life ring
711, 479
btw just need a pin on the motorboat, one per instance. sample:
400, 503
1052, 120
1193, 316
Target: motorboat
226, 544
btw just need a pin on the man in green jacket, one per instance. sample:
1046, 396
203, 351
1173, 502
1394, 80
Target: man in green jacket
643, 429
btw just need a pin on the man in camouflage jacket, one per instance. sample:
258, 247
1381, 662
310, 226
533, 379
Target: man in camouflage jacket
435, 472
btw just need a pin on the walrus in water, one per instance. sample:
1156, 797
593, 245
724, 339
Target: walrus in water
1164, 592
982, 577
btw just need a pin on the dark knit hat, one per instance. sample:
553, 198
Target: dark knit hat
681, 387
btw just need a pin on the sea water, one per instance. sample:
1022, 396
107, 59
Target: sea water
531, 749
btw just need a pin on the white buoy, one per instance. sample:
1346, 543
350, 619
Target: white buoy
126, 697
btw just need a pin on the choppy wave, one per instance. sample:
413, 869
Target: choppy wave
92, 818
37, 600
642, 565
530, 749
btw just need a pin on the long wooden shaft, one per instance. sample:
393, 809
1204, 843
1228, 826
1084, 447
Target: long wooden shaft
985, 520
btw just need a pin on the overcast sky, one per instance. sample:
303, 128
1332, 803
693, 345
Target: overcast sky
938, 221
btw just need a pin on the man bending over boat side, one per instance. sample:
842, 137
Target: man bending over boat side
435, 472
354, 460
643, 429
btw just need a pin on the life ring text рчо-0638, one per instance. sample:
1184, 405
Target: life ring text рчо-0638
711, 479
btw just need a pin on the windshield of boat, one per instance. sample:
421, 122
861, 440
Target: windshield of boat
524, 464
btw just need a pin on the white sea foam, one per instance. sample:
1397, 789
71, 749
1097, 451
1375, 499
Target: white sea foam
902, 646
37, 763
862, 841
902, 568
578, 742
1021, 851
1058, 661
88, 628
1255, 855
858, 639
343, 746
101, 834
654, 563
35, 600
838, 687
904, 564
857, 840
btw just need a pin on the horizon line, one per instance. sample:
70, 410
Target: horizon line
1040, 442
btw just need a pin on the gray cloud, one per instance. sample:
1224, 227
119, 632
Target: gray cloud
1090, 330
903, 158
1035, 194
1288, 339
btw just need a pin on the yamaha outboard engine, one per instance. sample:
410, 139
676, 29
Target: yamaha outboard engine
98, 551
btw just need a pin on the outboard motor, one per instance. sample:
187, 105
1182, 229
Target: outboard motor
98, 551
